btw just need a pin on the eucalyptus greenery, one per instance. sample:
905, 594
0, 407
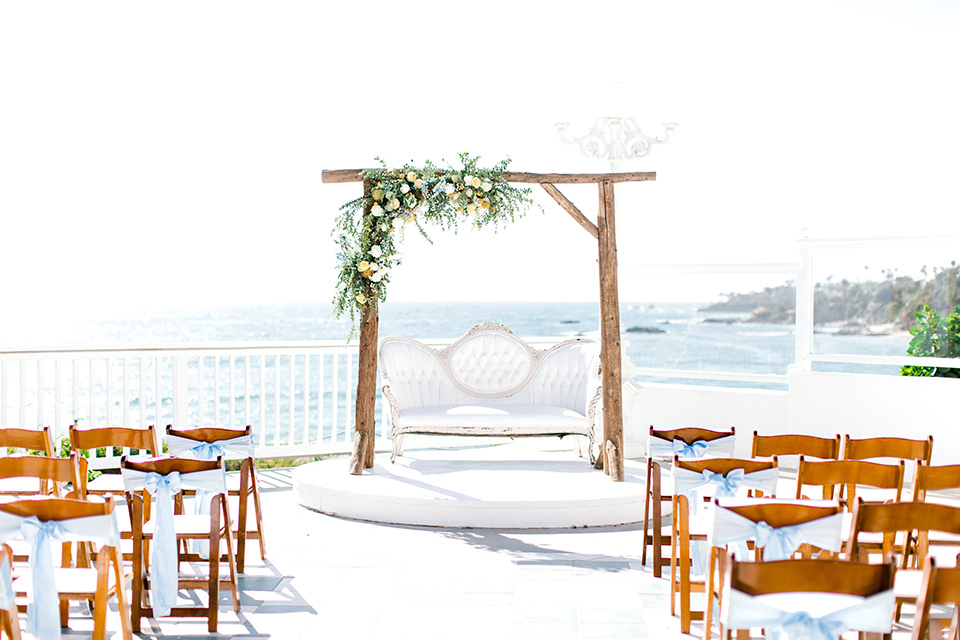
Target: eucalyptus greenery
934, 337
369, 229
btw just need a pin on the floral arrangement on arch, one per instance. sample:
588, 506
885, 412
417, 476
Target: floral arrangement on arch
369, 229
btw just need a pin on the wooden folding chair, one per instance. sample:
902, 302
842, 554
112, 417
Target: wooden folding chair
164, 577
938, 586
885, 447
936, 478
145, 441
772, 523
208, 444
52, 476
28, 440
895, 521
757, 476
660, 449
9, 618
794, 444
773, 595
839, 479
52, 588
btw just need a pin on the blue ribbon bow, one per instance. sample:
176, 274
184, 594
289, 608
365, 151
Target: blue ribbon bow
802, 625
727, 485
693, 450
778, 544
207, 450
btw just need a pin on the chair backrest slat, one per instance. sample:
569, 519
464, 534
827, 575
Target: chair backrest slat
795, 445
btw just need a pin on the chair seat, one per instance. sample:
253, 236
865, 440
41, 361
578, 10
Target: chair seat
106, 483
907, 584
70, 582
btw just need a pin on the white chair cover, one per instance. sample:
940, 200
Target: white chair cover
164, 574
689, 483
730, 528
7, 596
239, 447
666, 449
788, 615
43, 608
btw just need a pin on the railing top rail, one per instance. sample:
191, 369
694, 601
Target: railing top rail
878, 242
211, 347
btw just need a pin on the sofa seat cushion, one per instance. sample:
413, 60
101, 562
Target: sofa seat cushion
526, 418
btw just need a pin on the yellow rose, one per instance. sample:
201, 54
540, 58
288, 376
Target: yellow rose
475, 182
411, 176
363, 265
377, 194
361, 298
418, 183
471, 208
485, 204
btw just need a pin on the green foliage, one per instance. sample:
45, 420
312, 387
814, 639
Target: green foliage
370, 228
934, 337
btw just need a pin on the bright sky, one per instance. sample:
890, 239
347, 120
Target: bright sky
169, 154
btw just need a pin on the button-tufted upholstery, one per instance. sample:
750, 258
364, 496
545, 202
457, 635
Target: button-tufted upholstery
490, 383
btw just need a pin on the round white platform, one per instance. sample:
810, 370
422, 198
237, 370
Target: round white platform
528, 484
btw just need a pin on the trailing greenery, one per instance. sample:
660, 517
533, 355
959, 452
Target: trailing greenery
934, 337
369, 229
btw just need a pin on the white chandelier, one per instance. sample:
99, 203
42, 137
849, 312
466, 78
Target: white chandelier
615, 139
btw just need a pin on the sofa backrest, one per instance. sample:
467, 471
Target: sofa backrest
491, 365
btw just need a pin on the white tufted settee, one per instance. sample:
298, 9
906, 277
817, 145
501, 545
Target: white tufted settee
490, 383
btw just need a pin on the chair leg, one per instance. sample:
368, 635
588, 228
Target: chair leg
673, 563
213, 583
708, 613
100, 597
646, 513
231, 560
139, 573
657, 507
242, 498
258, 512
120, 583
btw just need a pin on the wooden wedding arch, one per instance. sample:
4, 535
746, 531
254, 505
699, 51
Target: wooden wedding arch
604, 232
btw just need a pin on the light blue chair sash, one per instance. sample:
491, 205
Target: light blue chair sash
661, 448
789, 616
6, 585
43, 607
689, 483
239, 447
164, 574
730, 528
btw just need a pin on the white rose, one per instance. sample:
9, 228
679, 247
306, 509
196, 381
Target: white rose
411, 176
469, 193
376, 251
418, 183
376, 210
397, 223
449, 188
486, 186
390, 206
405, 188
475, 182
389, 195
395, 203
377, 277
374, 266
468, 180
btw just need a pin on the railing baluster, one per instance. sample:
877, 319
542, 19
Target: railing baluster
263, 420
200, 406
320, 372
40, 386
306, 399
141, 404
335, 399
216, 390
126, 391
109, 375
246, 390
75, 404
276, 399
58, 398
233, 393
158, 392
93, 392
4, 388
347, 422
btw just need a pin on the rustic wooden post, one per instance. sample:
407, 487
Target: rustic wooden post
611, 448
365, 434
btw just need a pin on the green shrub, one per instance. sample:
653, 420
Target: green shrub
934, 337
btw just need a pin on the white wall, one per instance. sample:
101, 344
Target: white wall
816, 403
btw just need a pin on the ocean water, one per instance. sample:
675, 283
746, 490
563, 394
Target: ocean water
675, 336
